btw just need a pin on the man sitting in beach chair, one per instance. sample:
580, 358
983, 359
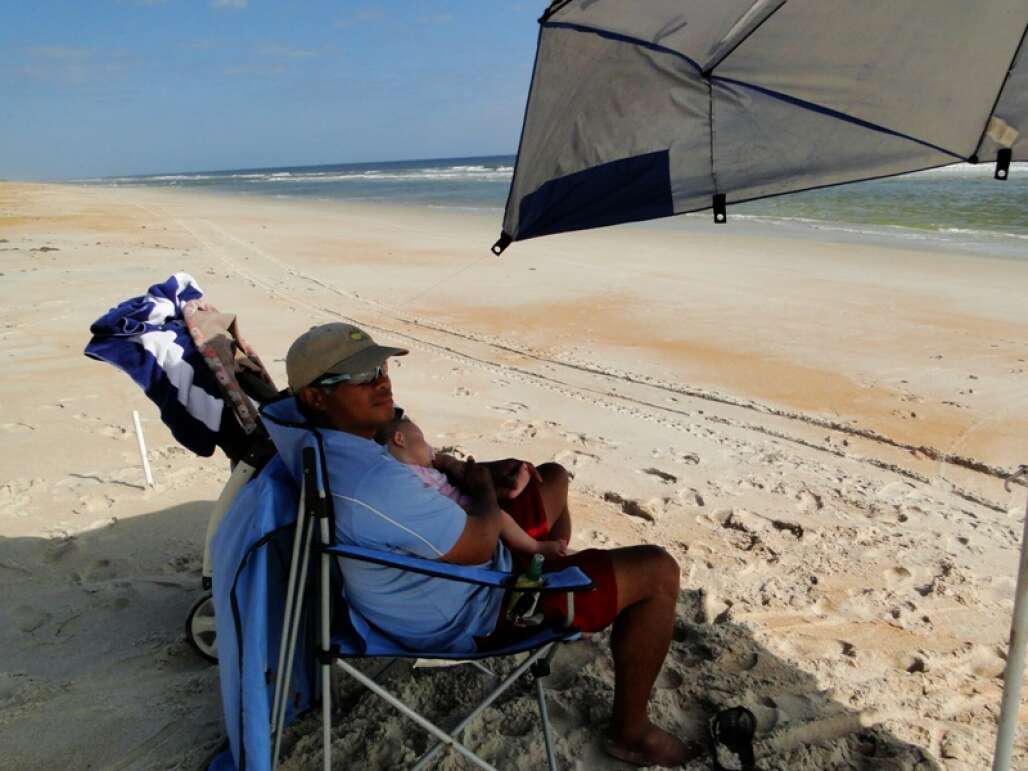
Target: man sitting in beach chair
340, 378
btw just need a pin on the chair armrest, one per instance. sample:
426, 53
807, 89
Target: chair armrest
566, 580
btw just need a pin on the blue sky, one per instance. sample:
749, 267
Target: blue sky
110, 87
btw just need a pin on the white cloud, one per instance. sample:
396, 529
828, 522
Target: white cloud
238, 4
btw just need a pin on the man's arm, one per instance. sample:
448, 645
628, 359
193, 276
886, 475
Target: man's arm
507, 474
485, 519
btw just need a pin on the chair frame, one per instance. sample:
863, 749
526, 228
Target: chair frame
314, 535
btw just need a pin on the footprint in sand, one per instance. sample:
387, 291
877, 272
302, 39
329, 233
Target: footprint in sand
913, 663
10, 428
894, 490
742, 520
663, 476
575, 459
690, 496
896, 576
668, 679
752, 483
17, 494
511, 407
738, 660
28, 619
807, 649
518, 430
982, 661
102, 570
808, 501
567, 666
847, 649
647, 511
584, 440
692, 647
91, 504
114, 432
169, 451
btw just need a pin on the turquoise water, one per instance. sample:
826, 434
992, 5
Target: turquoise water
960, 204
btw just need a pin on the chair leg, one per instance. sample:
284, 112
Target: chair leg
294, 628
326, 715
326, 666
443, 737
539, 671
287, 614
551, 759
546, 650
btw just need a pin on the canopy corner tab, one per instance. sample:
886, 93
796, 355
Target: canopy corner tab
720, 206
1003, 158
501, 243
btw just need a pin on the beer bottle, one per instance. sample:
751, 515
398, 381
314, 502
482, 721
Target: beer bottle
521, 608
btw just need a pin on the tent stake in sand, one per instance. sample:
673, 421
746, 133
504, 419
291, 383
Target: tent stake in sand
142, 448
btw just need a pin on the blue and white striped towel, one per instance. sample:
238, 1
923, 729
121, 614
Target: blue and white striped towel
148, 339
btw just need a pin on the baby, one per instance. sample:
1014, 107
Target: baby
406, 442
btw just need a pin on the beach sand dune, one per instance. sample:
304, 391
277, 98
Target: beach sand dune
815, 429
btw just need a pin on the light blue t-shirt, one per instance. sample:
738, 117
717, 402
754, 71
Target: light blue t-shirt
380, 504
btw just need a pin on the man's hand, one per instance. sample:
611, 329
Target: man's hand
520, 483
485, 520
510, 476
453, 468
477, 481
552, 549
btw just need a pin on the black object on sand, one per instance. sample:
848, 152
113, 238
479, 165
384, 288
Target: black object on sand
731, 734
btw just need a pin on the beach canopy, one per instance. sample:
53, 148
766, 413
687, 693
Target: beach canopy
660, 107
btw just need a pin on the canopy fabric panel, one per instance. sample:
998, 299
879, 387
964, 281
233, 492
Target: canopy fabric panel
695, 30
576, 136
765, 146
652, 111
1008, 126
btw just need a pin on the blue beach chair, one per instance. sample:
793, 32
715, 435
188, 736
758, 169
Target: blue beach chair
315, 606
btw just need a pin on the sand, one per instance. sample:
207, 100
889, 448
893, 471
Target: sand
815, 429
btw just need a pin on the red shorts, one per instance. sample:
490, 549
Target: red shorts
595, 608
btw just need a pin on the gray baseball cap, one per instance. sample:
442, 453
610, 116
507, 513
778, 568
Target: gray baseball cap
334, 349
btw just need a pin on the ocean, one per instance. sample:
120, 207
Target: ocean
959, 206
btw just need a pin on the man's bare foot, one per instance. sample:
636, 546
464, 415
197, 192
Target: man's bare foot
656, 748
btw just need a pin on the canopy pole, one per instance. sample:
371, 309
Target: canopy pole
1015, 654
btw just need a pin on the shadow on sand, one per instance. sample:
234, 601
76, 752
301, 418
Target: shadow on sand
710, 666
96, 673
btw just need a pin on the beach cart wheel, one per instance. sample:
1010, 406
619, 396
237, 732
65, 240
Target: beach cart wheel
200, 631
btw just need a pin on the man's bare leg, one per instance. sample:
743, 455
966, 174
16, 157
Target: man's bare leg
647, 580
554, 491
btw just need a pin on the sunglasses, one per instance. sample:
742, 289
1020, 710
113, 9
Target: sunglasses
357, 378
